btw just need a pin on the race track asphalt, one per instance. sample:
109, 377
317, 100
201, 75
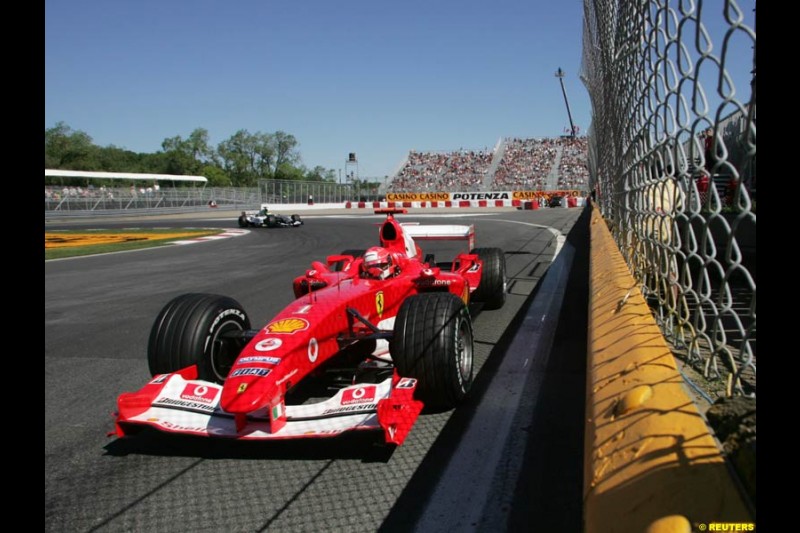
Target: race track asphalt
98, 314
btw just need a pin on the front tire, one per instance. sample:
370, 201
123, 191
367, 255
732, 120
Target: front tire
190, 330
492, 289
432, 342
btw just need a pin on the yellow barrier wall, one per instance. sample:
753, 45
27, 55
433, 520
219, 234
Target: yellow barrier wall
651, 464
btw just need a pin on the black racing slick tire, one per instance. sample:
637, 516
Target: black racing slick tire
191, 330
492, 289
355, 252
432, 343
296, 218
243, 222
271, 221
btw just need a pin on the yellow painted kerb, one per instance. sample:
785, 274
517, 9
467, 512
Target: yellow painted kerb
71, 240
651, 463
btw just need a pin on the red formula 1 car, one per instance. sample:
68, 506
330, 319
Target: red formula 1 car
372, 336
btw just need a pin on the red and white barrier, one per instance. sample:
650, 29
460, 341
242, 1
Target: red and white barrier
522, 204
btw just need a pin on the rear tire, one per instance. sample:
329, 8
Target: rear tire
432, 342
271, 221
243, 222
296, 218
190, 330
492, 289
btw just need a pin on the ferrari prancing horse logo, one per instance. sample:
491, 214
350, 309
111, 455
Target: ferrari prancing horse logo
379, 302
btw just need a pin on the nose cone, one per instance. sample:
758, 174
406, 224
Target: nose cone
245, 393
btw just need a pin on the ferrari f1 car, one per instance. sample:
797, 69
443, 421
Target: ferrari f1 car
264, 219
372, 337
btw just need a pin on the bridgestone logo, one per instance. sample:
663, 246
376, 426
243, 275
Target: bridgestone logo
171, 402
222, 315
350, 409
427, 282
480, 196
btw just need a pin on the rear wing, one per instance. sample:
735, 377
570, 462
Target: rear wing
444, 232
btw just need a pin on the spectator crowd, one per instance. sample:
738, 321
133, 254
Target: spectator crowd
573, 170
57, 193
462, 170
526, 164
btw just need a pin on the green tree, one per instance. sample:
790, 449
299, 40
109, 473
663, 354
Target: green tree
65, 148
289, 172
200, 146
248, 157
319, 173
187, 156
265, 155
155, 163
241, 160
238, 155
216, 176
285, 149
114, 159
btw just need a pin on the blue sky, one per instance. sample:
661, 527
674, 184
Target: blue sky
375, 78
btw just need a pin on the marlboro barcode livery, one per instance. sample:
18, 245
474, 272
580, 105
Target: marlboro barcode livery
382, 331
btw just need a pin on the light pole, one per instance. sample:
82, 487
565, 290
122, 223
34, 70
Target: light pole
560, 76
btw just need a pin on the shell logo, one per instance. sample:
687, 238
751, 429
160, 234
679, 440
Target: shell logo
288, 325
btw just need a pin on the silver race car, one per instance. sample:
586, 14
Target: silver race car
264, 219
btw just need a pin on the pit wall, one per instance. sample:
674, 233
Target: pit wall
651, 463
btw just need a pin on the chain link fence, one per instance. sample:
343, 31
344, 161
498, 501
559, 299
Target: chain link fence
88, 199
324, 192
672, 160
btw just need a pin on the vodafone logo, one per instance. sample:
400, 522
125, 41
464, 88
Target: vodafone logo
313, 349
359, 395
267, 345
199, 393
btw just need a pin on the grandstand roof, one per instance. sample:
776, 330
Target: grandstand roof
121, 175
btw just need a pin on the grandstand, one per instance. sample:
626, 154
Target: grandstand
513, 164
435, 171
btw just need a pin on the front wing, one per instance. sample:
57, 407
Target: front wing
174, 404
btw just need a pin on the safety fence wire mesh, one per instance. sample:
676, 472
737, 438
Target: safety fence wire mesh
673, 168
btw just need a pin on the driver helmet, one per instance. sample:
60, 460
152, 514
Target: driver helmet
378, 263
